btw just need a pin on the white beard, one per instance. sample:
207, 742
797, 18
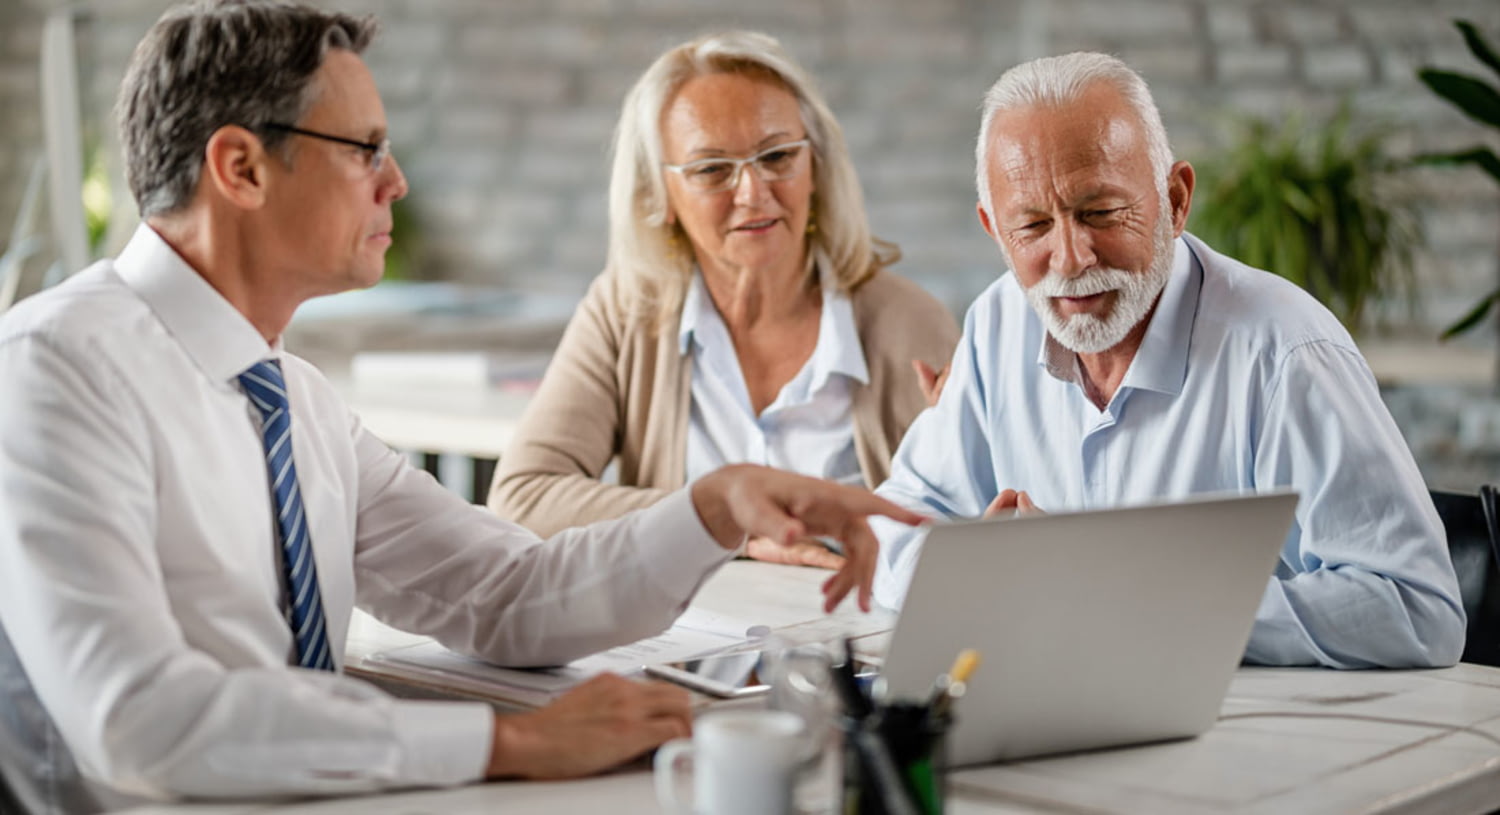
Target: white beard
1136, 292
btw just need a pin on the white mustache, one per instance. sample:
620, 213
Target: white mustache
1092, 282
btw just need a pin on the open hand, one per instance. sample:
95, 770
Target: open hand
746, 499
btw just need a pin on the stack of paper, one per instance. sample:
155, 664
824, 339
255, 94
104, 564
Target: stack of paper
696, 633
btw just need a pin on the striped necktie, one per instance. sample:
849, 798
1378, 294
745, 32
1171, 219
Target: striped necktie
266, 388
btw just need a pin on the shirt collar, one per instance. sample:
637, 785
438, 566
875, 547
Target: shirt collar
697, 309
838, 350
213, 333
1160, 363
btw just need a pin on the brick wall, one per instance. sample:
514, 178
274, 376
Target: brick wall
501, 111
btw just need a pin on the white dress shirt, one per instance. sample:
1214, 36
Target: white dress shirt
807, 429
140, 576
1242, 383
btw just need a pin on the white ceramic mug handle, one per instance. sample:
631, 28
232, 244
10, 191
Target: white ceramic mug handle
666, 761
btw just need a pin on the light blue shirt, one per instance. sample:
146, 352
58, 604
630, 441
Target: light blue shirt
808, 429
1242, 383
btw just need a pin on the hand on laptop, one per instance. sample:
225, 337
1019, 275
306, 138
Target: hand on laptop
1011, 502
745, 499
604, 722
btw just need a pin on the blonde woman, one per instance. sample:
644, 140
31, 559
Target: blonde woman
745, 312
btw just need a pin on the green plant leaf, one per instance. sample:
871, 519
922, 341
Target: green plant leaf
1481, 102
1473, 96
1313, 202
1477, 45
1473, 318
1482, 156
1293, 196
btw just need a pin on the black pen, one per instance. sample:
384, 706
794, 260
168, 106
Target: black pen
856, 703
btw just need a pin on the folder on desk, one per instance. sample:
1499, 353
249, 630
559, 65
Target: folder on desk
699, 632
695, 634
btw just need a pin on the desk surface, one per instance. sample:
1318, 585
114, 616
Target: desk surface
1273, 752
1288, 740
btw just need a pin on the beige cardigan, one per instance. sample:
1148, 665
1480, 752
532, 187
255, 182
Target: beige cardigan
616, 387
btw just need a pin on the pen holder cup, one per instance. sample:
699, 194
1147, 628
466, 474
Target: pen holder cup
895, 761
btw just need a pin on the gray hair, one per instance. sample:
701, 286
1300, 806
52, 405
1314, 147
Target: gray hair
1056, 81
213, 63
646, 250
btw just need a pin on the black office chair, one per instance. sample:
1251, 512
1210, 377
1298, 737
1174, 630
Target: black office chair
1474, 544
8, 803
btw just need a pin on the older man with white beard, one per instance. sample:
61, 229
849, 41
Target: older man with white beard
1123, 361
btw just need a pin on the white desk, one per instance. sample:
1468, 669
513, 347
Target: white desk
1289, 741
1429, 362
433, 317
476, 422
1248, 765
1262, 757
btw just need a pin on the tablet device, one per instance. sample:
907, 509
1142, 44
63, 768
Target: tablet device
723, 675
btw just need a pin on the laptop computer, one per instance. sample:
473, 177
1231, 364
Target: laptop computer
1096, 629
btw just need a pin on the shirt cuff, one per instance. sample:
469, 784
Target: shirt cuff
444, 743
673, 541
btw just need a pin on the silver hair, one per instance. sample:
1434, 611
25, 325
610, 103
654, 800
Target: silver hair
213, 63
647, 251
1055, 81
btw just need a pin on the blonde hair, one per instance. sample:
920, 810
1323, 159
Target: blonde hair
646, 251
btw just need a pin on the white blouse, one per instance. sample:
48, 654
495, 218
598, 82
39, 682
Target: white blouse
807, 429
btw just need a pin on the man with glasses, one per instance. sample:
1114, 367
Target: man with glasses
377, 152
188, 514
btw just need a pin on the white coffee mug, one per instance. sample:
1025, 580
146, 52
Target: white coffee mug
744, 762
